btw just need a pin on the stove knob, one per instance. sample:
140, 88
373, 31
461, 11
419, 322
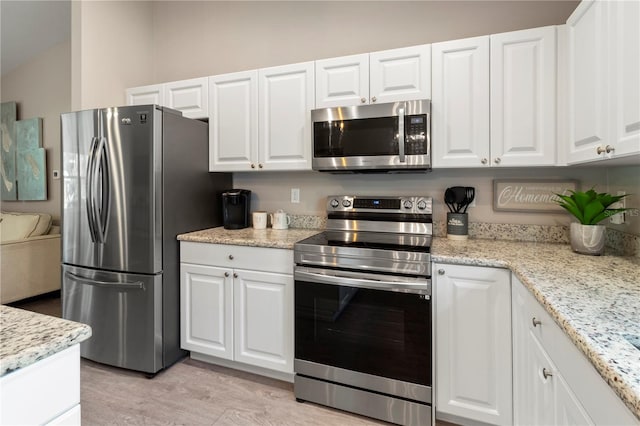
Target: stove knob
422, 204
334, 203
346, 203
408, 204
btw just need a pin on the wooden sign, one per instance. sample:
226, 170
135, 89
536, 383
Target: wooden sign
530, 195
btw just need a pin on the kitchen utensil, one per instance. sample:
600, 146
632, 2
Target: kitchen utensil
449, 199
459, 195
469, 197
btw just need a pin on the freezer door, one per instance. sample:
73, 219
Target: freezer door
111, 215
124, 312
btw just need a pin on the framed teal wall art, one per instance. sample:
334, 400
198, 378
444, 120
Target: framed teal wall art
32, 174
31, 160
8, 187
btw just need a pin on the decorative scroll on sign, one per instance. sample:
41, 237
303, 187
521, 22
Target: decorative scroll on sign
530, 195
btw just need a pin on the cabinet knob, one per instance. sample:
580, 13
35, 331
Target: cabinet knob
546, 374
235, 275
484, 161
536, 322
226, 274
440, 271
497, 160
600, 150
363, 100
374, 99
609, 149
230, 257
260, 165
253, 166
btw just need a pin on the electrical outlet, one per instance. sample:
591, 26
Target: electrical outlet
618, 219
295, 195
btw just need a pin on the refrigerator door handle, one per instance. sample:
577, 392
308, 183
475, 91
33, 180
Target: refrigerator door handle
115, 285
90, 196
101, 213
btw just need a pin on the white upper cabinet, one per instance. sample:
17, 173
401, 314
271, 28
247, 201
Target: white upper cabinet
460, 103
588, 84
523, 97
400, 74
145, 95
625, 47
189, 96
378, 77
285, 97
342, 81
494, 100
604, 88
233, 121
261, 120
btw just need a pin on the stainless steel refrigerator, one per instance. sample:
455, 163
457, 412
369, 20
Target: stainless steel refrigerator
133, 178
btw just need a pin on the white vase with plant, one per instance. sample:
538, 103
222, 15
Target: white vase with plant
589, 208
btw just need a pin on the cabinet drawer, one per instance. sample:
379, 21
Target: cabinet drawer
237, 257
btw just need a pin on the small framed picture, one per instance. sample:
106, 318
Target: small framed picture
530, 195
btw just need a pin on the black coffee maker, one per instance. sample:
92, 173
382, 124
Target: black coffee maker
236, 207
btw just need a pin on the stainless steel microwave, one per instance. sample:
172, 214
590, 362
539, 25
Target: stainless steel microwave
373, 138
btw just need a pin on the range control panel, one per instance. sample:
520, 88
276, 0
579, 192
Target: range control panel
406, 204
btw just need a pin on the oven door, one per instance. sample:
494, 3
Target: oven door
371, 137
365, 330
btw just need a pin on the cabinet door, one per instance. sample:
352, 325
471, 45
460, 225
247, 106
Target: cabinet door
569, 410
588, 100
233, 118
264, 319
342, 81
533, 398
625, 79
523, 98
189, 96
145, 95
400, 74
460, 103
473, 343
206, 319
286, 97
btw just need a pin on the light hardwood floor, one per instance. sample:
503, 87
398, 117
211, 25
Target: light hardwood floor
191, 393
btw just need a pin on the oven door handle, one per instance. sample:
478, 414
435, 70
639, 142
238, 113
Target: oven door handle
417, 286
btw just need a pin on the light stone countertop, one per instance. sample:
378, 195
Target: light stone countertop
272, 238
27, 337
594, 299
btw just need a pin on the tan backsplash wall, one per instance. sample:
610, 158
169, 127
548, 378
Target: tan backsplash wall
42, 88
271, 191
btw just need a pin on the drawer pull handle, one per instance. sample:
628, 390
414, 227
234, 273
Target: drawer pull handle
440, 271
230, 257
235, 275
546, 374
226, 274
536, 322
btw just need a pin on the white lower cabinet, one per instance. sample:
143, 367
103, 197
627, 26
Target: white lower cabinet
553, 382
473, 344
234, 313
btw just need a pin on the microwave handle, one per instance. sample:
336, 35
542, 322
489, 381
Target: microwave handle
401, 134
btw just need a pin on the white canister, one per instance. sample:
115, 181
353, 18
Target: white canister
259, 220
280, 220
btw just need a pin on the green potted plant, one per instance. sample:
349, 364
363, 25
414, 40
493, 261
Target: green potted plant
589, 208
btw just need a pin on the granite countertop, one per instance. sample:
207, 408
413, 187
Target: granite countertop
27, 337
594, 299
273, 238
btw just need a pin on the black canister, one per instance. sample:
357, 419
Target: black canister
236, 208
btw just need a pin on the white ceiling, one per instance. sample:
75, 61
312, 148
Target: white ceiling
28, 28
